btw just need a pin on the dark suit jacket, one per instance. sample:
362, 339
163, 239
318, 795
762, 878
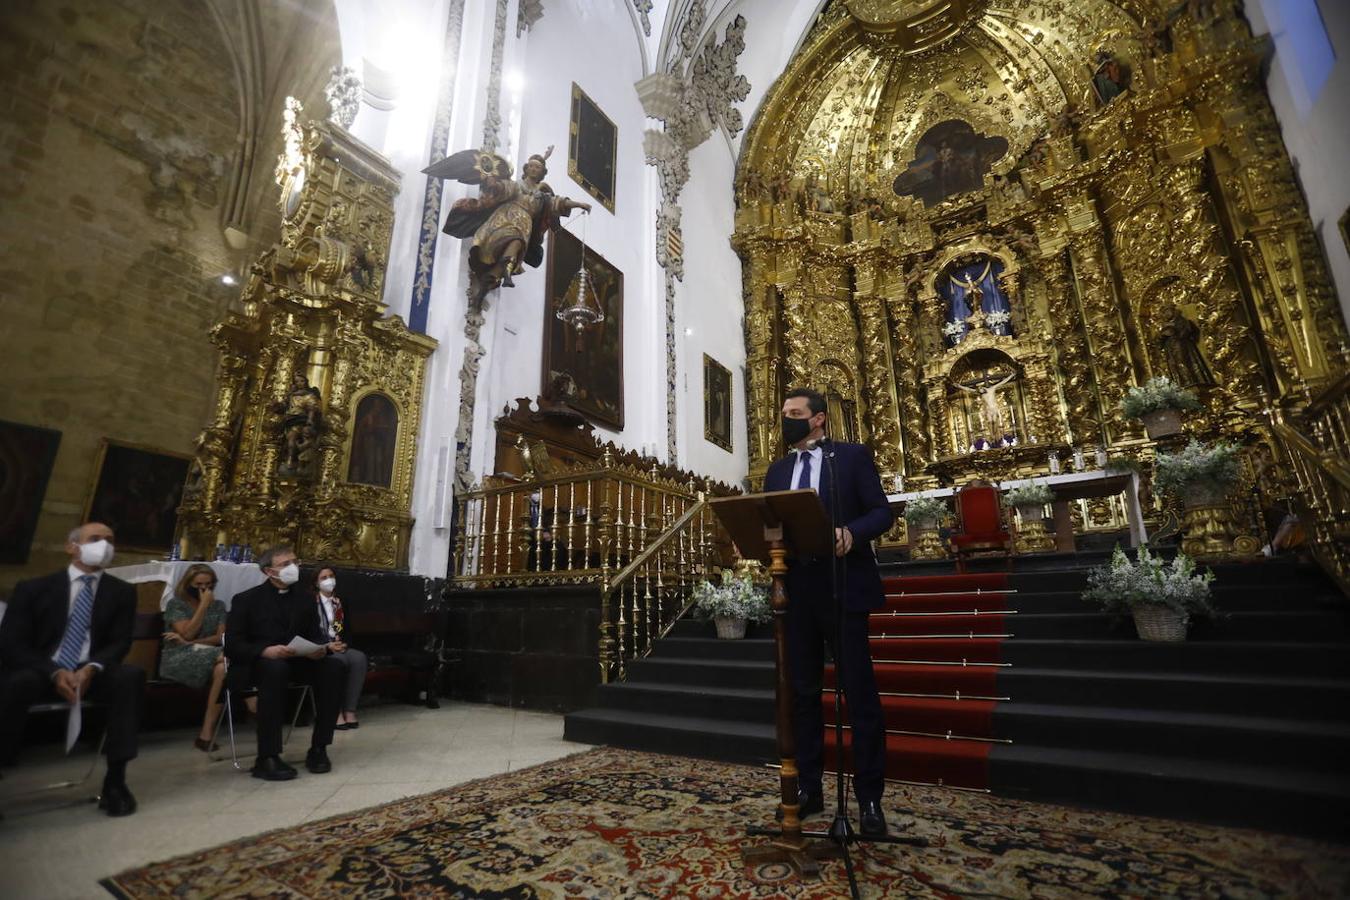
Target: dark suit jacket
36, 618
262, 616
862, 507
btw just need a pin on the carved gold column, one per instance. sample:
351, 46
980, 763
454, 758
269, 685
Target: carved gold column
1297, 307
878, 375
1105, 334
916, 444
1072, 356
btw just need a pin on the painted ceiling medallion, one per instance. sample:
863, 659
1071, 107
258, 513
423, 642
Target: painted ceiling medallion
913, 26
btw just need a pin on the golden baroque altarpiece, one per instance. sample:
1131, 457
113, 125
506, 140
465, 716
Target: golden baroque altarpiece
318, 394
1114, 173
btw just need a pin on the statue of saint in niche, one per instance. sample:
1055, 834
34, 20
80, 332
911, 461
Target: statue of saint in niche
301, 422
1180, 339
1111, 78
507, 219
951, 158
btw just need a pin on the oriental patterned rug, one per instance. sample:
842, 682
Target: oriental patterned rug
615, 823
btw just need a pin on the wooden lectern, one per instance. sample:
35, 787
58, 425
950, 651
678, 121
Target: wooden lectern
768, 527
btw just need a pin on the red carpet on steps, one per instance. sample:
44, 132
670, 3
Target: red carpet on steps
937, 675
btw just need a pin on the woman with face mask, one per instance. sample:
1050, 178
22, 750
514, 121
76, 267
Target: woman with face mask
195, 622
333, 620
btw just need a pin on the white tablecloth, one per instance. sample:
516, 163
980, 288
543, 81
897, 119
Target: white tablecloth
1067, 484
231, 578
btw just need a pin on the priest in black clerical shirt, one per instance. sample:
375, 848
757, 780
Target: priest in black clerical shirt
262, 621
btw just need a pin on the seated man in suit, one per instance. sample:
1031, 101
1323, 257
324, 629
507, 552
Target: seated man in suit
262, 621
64, 636
845, 476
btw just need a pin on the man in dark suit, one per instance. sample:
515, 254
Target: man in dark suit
64, 636
845, 476
262, 621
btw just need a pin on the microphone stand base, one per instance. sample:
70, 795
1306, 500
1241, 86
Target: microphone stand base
854, 837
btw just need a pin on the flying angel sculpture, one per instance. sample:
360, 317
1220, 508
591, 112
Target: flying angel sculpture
507, 219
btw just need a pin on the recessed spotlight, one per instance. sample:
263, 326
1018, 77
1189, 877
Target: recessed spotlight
689, 332
227, 278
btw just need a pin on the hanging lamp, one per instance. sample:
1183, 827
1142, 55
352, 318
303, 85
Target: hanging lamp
582, 314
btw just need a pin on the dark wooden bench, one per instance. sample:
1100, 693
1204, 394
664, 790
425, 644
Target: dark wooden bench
405, 649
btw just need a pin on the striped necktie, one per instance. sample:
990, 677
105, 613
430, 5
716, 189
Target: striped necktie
77, 627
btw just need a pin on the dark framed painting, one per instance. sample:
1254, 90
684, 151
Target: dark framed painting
584, 369
136, 493
716, 403
27, 454
374, 441
951, 158
592, 148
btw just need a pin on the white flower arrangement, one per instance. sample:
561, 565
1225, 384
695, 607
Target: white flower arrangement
997, 317
737, 597
955, 328
1214, 467
1123, 584
1155, 395
1035, 493
925, 509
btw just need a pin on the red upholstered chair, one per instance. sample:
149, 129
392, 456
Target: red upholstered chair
980, 525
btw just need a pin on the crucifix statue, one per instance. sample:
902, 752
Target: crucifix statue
986, 388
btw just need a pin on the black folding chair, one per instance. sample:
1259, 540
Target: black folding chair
227, 710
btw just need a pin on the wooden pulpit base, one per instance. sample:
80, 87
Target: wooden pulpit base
762, 526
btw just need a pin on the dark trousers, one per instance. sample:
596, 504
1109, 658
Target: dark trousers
271, 676
810, 626
121, 688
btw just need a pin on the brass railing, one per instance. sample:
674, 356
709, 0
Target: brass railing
1319, 463
641, 538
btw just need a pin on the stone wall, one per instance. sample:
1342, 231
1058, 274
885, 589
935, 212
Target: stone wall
119, 135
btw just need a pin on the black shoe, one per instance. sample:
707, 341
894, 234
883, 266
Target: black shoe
116, 799
271, 768
808, 804
316, 761
870, 820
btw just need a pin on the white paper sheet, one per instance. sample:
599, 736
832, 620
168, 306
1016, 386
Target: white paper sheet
73, 723
303, 647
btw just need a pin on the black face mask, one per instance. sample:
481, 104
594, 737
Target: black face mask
795, 430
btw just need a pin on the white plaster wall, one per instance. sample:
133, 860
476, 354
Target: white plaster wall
1318, 141
594, 43
430, 546
709, 313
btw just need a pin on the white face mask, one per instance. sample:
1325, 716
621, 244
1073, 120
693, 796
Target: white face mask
326, 585
288, 574
96, 554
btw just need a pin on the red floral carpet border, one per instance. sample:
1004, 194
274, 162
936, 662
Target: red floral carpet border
615, 823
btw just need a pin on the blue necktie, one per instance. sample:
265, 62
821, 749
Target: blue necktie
78, 625
804, 478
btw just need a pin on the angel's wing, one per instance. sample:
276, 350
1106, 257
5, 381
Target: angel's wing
469, 167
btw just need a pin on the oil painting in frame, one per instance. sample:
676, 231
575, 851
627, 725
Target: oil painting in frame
136, 492
716, 403
27, 455
584, 369
592, 149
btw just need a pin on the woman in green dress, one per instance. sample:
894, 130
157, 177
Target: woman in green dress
192, 645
